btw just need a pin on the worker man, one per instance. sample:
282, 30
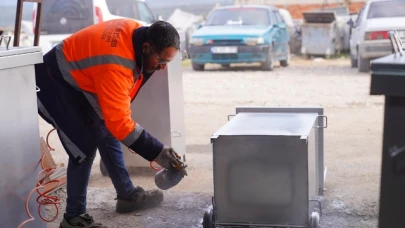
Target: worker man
87, 83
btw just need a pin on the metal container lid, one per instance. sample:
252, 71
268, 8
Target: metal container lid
278, 124
388, 72
319, 17
4, 52
11, 57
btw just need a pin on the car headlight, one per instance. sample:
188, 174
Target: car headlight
254, 40
197, 41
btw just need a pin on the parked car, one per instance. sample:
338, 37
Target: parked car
185, 23
294, 31
369, 36
61, 18
241, 34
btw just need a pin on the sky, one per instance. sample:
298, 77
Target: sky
149, 2
13, 3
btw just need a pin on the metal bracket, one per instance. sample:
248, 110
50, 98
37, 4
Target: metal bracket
229, 117
326, 121
320, 205
7, 42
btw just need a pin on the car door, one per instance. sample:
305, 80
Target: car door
356, 33
284, 35
276, 35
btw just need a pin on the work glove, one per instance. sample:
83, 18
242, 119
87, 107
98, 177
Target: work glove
168, 158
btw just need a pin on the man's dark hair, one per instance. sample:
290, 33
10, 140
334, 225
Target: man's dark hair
161, 35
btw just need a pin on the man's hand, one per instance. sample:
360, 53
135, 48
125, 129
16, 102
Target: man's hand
168, 158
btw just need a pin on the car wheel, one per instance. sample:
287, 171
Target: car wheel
363, 64
286, 62
268, 65
197, 67
353, 61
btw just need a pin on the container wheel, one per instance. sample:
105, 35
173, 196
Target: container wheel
208, 218
103, 170
314, 220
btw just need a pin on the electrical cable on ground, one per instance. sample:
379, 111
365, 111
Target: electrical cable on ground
43, 197
47, 199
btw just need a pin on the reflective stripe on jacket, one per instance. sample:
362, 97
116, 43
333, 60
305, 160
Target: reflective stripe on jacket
100, 61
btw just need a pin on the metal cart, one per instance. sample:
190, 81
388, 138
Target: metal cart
268, 169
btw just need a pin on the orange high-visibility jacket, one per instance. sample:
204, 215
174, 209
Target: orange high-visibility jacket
100, 60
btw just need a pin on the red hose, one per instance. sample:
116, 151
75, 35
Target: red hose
45, 199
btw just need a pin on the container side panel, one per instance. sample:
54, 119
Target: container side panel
261, 179
19, 146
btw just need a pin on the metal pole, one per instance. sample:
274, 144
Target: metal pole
38, 23
18, 18
17, 26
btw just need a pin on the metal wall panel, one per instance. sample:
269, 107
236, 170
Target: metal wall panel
19, 139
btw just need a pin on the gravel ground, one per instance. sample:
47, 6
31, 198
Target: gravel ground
352, 141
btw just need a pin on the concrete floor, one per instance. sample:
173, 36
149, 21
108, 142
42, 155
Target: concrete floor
352, 142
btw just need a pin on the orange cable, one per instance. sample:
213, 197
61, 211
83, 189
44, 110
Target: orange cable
41, 183
43, 197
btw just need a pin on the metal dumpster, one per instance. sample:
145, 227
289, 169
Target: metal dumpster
19, 135
268, 169
388, 79
342, 18
320, 34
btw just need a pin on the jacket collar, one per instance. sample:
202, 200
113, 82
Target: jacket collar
138, 38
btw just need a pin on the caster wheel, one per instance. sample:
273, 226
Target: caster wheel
208, 218
103, 170
314, 220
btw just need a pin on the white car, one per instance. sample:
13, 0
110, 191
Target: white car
369, 37
61, 18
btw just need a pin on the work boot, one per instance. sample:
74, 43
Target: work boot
83, 221
139, 199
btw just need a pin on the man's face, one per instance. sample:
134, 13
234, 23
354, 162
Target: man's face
156, 61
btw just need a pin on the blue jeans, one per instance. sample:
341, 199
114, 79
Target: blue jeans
78, 176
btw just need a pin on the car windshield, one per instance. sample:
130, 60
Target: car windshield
239, 16
387, 9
